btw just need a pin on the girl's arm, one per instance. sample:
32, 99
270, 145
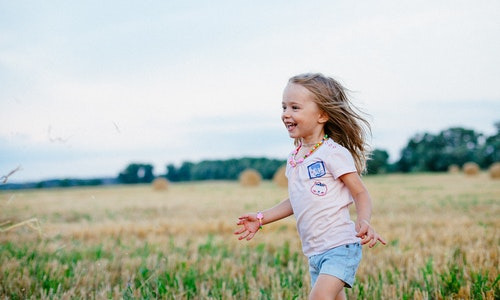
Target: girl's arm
250, 224
363, 203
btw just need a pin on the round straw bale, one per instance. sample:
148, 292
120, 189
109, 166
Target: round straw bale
250, 177
471, 168
279, 177
160, 184
453, 169
495, 170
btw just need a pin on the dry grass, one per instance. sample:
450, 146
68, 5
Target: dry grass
433, 223
31, 223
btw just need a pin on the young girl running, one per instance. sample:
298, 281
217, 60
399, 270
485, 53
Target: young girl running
323, 180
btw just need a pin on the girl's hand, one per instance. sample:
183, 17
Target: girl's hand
368, 234
250, 225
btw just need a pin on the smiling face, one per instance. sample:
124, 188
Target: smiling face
301, 115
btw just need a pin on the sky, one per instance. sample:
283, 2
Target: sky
87, 87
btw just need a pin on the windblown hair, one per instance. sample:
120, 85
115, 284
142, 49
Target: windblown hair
345, 124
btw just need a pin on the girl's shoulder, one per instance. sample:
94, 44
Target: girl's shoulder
333, 146
335, 149
338, 159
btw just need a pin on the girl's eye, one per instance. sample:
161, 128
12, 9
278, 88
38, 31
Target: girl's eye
293, 107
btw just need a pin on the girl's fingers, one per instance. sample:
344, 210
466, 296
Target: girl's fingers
244, 235
246, 217
368, 235
362, 234
376, 239
373, 240
363, 230
250, 236
365, 235
240, 230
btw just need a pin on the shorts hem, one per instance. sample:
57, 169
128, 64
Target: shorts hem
340, 262
346, 284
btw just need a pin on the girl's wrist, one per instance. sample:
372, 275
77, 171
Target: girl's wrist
366, 221
260, 216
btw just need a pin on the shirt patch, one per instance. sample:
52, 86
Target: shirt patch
316, 170
319, 188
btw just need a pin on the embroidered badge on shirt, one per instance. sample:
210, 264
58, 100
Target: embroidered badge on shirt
319, 188
316, 170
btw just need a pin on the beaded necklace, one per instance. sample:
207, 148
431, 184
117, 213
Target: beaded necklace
294, 162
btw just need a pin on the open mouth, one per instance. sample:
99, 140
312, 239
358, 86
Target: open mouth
290, 126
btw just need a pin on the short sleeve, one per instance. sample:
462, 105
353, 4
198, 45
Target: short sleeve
339, 160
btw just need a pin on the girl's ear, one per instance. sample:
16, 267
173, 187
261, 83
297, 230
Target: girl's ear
323, 117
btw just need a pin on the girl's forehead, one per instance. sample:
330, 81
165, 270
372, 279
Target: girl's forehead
296, 93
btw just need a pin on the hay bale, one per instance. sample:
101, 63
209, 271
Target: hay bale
471, 168
453, 169
279, 177
250, 177
160, 184
495, 170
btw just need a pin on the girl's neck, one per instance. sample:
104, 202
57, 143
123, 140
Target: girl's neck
309, 142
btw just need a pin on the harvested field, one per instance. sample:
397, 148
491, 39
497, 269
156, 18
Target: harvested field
131, 241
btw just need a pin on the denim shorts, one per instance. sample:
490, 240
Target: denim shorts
341, 262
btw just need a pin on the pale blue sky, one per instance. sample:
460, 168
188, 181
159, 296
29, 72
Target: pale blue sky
88, 87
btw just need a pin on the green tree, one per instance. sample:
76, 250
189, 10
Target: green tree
172, 174
222, 169
184, 172
412, 156
490, 151
428, 152
378, 163
136, 173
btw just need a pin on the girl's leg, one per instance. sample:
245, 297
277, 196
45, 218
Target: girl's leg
327, 287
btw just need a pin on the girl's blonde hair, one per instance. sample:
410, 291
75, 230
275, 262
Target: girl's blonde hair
345, 124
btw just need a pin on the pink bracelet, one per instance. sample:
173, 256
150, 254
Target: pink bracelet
260, 216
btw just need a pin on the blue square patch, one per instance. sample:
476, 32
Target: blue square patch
316, 170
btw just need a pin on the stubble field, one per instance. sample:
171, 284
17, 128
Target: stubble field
133, 242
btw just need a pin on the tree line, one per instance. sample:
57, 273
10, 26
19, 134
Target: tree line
428, 152
424, 152
205, 170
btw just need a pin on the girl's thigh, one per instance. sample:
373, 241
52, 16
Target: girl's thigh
327, 287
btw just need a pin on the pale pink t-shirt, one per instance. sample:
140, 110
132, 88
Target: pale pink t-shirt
320, 200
